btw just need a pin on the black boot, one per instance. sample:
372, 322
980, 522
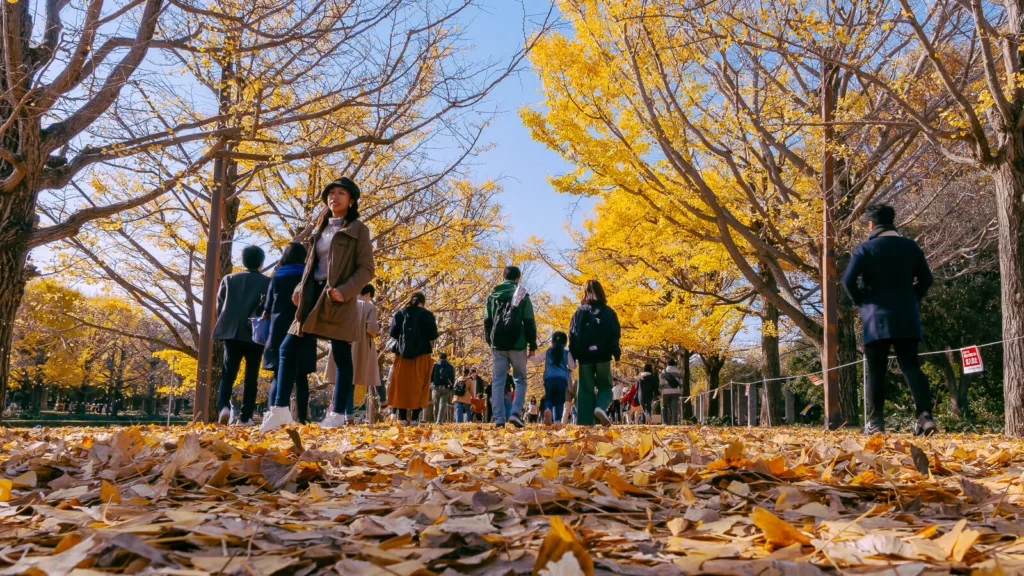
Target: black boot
925, 425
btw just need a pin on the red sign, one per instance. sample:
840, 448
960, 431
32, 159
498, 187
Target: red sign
971, 359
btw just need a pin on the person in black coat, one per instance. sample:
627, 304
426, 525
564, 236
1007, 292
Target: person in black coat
886, 278
649, 383
238, 300
414, 330
280, 311
594, 334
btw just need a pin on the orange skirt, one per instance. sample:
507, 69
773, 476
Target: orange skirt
409, 385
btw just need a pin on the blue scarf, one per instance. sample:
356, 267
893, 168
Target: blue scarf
290, 270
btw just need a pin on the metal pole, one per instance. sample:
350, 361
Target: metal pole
732, 402
864, 380
829, 276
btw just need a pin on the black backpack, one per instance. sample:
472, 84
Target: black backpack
590, 335
507, 324
408, 340
445, 375
671, 381
460, 388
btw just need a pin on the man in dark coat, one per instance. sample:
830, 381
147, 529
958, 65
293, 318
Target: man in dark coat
238, 299
442, 380
887, 277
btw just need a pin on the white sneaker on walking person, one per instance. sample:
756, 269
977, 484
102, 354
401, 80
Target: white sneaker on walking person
245, 424
277, 417
601, 417
334, 420
224, 417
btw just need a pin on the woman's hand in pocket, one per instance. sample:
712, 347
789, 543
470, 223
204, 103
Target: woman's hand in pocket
295, 296
335, 295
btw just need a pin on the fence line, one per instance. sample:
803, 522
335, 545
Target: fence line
703, 396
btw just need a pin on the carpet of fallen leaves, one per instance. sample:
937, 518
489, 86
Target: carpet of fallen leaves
475, 500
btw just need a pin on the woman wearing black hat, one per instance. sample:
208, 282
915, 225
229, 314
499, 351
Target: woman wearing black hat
338, 266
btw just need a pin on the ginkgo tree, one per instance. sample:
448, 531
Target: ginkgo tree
673, 297
686, 110
190, 99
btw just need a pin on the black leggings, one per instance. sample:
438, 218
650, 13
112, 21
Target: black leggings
403, 414
877, 355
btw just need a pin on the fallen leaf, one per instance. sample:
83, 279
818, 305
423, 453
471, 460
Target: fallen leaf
776, 530
561, 542
26, 480
109, 493
550, 469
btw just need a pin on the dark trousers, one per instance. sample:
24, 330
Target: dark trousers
234, 352
615, 410
343, 375
288, 374
877, 355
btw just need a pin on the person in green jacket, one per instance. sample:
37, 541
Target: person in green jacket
511, 331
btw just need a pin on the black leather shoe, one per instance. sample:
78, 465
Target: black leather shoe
925, 425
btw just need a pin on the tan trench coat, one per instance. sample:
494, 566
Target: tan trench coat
364, 350
351, 268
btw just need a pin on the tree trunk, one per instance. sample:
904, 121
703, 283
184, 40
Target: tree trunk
684, 363
716, 404
790, 406
19, 208
957, 387
751, 404
849, 404
771, 367
1009, 186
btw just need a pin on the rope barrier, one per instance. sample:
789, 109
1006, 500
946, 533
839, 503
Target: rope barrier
706, 393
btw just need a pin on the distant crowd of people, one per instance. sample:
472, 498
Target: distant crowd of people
321, 290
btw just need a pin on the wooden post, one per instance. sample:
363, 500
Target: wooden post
829, 275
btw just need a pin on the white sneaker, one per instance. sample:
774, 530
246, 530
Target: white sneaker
601, 417
277, 417
224, 417
333, 420
245, 424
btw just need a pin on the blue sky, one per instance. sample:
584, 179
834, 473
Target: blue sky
530, 204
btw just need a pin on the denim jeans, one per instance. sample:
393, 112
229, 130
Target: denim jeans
462, 412
234, 352
288, 375
554, 396
503, 406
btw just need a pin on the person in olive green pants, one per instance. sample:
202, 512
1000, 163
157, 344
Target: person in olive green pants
593, 376
593, 341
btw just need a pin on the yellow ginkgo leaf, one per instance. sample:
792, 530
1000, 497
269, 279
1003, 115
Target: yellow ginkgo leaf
5, 489
109, 493
550, 469
777, 531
